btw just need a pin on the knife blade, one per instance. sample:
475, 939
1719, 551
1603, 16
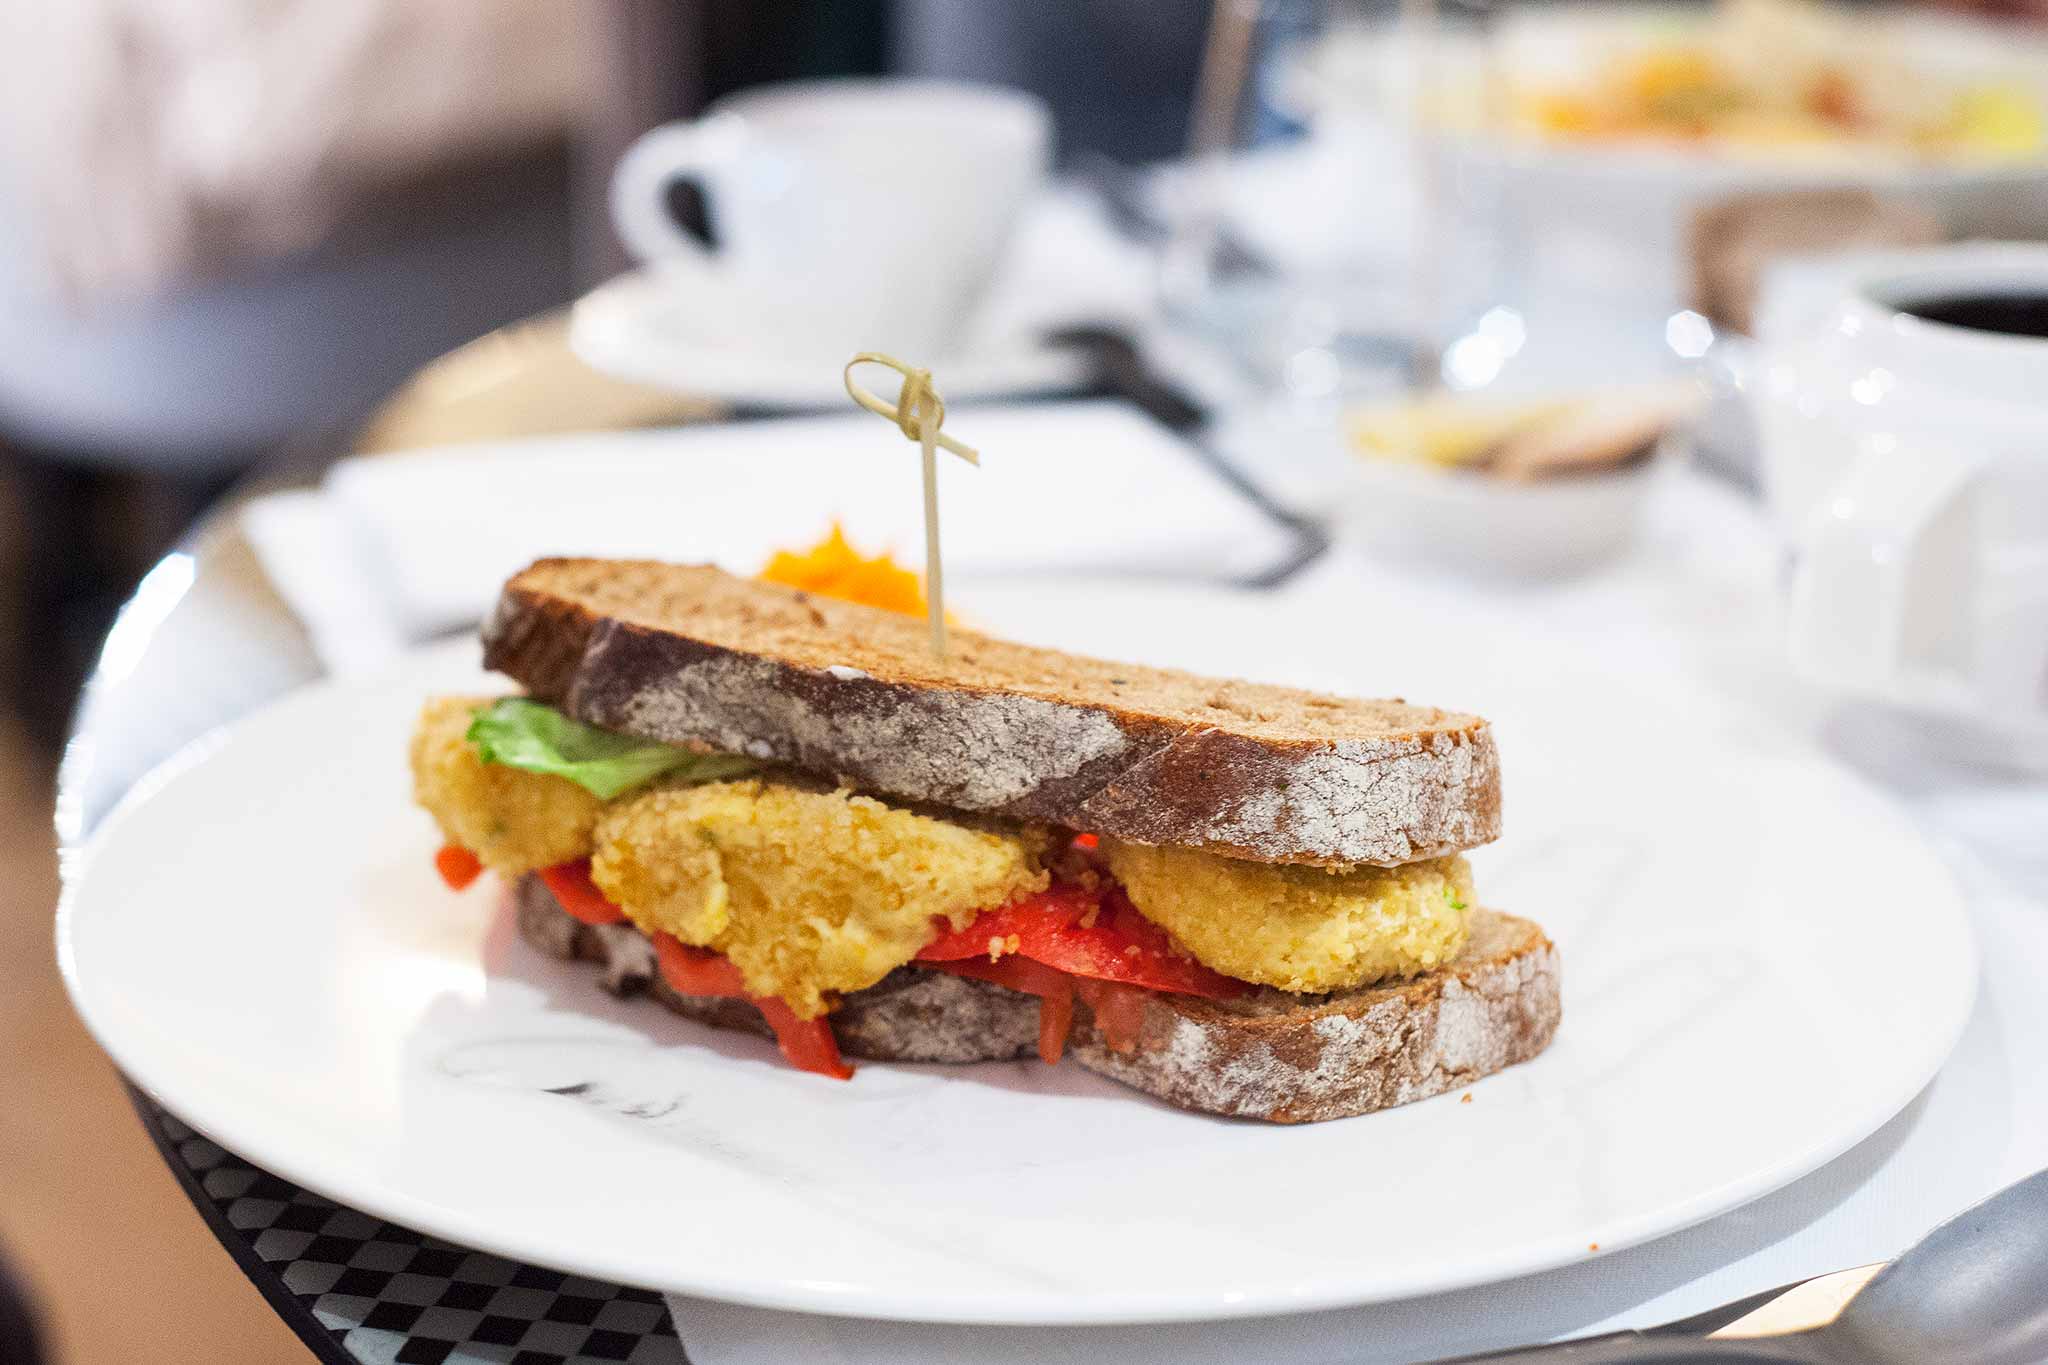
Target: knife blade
1773, 1318
1803, 1307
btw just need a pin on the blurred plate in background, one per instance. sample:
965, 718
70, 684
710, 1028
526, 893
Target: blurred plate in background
1606, 217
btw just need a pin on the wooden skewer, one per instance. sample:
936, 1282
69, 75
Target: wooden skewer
918, 412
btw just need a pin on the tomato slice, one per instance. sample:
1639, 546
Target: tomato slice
1051, 927
809, 1044
458, 866
578, 894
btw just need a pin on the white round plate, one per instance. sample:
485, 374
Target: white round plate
1762, 964
1364, 68
637, 328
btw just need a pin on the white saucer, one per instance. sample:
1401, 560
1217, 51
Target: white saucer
1763, 962
636, 328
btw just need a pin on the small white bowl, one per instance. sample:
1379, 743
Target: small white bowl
1463, 520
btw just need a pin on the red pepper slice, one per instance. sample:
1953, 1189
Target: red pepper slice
809, 1044
1050, 927
1119, 1012
1036, 915
458, 866
578, 894
1067, 941
697, 971
1055, 1020
1054, 989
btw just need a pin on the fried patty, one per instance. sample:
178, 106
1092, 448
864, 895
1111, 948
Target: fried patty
806, 892
1300, 928
812, 892
514, 820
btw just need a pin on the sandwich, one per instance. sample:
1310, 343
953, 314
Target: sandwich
778, 812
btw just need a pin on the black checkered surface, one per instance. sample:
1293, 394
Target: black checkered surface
369, 1291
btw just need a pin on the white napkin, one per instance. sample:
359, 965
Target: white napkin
394, 548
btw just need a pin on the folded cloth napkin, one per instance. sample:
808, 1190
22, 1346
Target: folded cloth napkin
396, 548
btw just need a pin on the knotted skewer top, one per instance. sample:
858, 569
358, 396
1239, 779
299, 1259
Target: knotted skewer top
917, 413
917, 403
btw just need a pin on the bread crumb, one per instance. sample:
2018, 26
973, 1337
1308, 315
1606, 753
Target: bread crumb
1466, 1098
1592, 1246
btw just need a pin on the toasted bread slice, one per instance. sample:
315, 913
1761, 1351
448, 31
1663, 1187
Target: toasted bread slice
1271, 1055
691, 655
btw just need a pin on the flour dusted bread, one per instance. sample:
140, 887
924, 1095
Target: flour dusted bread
1274, 1056
1295, 1059
691, 655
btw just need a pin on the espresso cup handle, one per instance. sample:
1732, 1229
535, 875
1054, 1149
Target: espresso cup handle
641, 181
1885, 568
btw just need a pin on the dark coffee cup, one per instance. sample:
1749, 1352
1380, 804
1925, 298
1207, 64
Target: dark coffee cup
2016, 313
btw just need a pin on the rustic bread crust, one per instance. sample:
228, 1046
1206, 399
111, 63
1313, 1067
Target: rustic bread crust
1273, 1056
690, 655
1288, 1060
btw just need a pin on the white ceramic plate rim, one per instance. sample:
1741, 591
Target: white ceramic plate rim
1017, 1307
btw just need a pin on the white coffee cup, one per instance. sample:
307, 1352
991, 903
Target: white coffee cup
848, 214
1905, 463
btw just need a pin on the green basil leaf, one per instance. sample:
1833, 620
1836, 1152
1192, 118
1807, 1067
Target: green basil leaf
522, 733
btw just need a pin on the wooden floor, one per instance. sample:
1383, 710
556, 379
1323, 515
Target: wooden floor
120, 1267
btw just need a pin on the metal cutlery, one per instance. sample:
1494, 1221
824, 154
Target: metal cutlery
1972, 1292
